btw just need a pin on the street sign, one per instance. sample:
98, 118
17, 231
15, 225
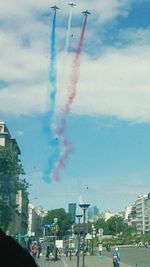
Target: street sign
100, 231
59, 243
49, 225
55, 220
88, 237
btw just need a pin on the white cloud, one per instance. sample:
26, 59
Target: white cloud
25, 100
105, 9
138, 36
116, 83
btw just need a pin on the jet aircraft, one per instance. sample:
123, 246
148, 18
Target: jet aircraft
86, 13
55, 7
72, 4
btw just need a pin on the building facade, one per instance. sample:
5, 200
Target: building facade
142, 208
20, 199
93, 213
35, 221
72, 211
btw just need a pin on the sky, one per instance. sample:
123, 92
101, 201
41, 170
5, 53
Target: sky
108, 122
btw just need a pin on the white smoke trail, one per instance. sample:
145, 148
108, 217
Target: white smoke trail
68, 30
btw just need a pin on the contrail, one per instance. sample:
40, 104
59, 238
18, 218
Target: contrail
54, 144
61, 132
68, 30
52, 71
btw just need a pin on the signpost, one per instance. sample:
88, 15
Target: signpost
100, 233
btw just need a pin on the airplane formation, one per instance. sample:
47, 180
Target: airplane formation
86, 12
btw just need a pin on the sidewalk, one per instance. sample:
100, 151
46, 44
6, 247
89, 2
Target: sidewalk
91, 261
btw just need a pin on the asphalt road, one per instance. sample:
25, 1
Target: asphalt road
135, 257
130, 257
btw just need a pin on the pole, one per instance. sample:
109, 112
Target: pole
83, 234
92, 240
93, 235
78, 250
84, 207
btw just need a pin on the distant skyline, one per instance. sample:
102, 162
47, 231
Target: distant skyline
108, 125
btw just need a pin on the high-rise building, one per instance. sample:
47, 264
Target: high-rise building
93, 212
72, 211
142, 208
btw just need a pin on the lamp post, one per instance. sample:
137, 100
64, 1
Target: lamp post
84, 207
78, 250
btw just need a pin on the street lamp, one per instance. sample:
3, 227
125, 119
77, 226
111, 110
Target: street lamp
78, 250
84, 207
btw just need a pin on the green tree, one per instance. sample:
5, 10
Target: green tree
10, 169
100, 223
115, 225
63, 221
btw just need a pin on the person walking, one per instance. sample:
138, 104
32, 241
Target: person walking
39, 248
34, 251
100, 248
116, 258
47, 252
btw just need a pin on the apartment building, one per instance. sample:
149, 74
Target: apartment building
20, 200
142, 208
35, 220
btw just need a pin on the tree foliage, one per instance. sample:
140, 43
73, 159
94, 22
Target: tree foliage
10, 169
63, 221
100, 223
114, 226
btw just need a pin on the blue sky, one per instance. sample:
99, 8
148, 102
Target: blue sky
108, 125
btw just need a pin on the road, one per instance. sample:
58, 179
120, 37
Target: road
130, 257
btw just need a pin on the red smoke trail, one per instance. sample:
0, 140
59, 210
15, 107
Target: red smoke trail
72, 94
75, 70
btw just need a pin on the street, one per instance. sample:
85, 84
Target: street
90, 261
130, 257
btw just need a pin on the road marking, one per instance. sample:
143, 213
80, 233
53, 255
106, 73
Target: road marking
64, 262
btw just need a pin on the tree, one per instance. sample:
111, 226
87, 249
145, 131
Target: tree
64, 221
115, 225
100, 223
10, 169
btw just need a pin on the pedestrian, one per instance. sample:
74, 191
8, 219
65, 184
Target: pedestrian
12, 254
34, 251
100, 248
108, 247
39, 249
116, 258
47, 252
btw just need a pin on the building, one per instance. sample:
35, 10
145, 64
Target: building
107, 215
93, 213
35, 221
142, 208
19, 201
6, 140
72, 211
19, 223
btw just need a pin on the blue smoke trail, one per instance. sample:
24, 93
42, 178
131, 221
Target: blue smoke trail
54, 142
52, 71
